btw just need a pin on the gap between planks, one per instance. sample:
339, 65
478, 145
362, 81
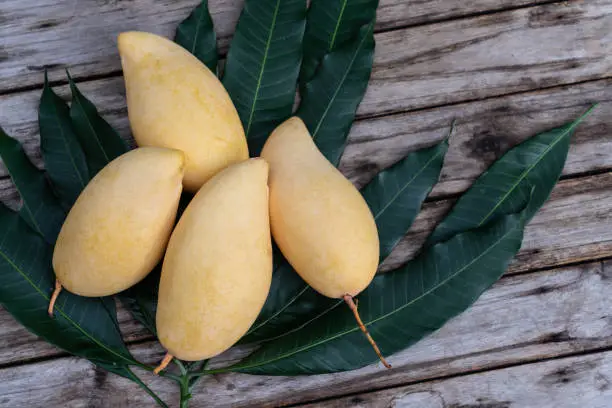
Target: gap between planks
468, 373
558, 375
523, 319
143, 337
385, 27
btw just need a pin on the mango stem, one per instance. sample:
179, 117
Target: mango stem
56, 292
351, 304
164, 363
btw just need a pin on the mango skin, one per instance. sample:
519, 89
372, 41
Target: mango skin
319, 220
117, 230
218, 265
175, 101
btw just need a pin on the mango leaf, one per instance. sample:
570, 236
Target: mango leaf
100, 142
290, 304
197, 35
331, 24
141, 299
64, 159
86, 327
40, 208
399, 307
395, 195
263, 65
330, 99
536, 163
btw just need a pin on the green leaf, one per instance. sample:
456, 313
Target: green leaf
395, 195
399, 307
330, 99
506, 185
85, 327
263, 65
289, 305
141, 299
64, 159
40, 208
197, 35
100, 142
331, 24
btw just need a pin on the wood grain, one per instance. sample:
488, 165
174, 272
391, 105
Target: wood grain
574, 382
82, 34
522, 318
17, 344
425, 75
485, 129
490, 55
573, 226
423, 66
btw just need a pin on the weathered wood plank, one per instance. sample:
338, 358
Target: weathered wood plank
522, 318
485, 129
573, 226
81, 34
467, 59
490, 55
574, 382
17, 344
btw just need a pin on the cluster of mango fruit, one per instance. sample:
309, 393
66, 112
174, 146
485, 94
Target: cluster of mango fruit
217, 260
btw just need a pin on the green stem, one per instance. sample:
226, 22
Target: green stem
185, 392
195, 377
184, 384
181, 367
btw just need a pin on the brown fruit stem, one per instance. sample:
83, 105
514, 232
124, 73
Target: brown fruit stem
351, 304
164, 363
56, 292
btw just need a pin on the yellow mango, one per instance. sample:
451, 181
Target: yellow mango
319, 220
175, 101
218, 266
117, 230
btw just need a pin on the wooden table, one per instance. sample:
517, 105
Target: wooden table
506, 69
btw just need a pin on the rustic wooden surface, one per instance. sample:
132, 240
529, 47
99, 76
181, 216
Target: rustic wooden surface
505, 69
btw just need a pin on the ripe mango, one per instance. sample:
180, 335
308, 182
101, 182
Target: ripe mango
319, 220
175, 101
117, 230
218, 266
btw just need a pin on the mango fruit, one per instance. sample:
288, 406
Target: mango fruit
218, 266
117, 230
319, 220
175, 101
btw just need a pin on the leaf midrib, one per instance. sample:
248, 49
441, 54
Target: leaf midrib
292, 301
77, 100
426, 165
338, 22
63, 137
312, 345
197, 31
263, 67
567, 131
344, 76
59, 309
